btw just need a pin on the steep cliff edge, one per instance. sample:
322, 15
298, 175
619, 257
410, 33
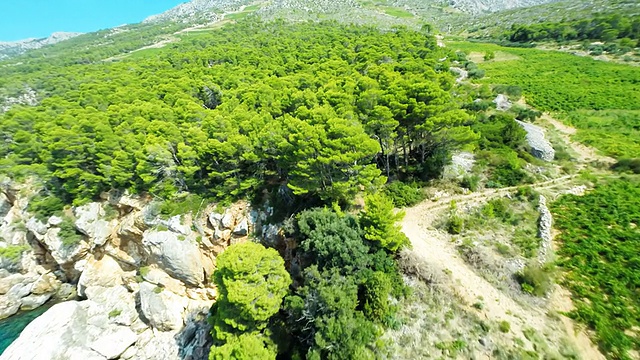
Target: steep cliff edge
139, 283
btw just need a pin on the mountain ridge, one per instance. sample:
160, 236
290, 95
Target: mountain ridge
13, 48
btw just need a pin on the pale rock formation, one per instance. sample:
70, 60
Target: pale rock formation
540, 146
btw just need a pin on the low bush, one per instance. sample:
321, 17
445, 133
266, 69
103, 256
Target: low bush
627, 165
471, 182
536, 279
43, 207
504, 326
403, 194
190, 203
12, 253
68, 233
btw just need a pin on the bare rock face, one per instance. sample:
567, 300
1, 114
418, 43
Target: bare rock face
62, 253
145, 289
105, 272
540, 146
461, 164
161, 307
90, 221
502, 102
177, 254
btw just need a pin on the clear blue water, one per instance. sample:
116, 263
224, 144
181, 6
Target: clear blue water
11, 327
22, 19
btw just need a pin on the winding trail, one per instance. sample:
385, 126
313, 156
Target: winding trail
585, 153
435, 248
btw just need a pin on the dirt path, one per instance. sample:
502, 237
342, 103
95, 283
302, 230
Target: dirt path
435, 248
585, 153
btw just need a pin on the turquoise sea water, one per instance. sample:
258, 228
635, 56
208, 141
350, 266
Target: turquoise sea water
11, 327
22, 19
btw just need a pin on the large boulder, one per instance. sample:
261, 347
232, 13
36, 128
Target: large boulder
162, 308
153, 345
8, 306
64, 332
37, 228
34, 301
64, 253
177, 254
90, 221
540, 146
105, 272
160, 278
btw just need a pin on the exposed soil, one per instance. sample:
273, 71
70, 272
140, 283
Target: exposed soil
435, 248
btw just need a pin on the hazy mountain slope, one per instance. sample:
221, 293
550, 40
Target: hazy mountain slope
553, 11
199, 11
13, 48
483, 6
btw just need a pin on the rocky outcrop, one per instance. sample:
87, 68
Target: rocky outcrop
143, 281
90, 221
177, 254
502, 102
461, 73
28, 96
15, 48
540, 146
25, 292
461, 164
163, 309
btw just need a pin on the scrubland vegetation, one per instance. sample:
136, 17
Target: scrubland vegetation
598, 239
309, 116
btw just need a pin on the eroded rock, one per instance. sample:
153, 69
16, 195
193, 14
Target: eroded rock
540, 146
161, 307
178, 255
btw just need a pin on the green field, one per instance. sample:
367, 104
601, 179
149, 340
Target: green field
392, 11
615, 132
600, 240
601, 99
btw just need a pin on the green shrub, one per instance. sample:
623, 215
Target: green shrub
43, 207
190, 203
527, 193
110, 212
476, 73
471, 182
599, 240
455, 224
503, 249
489, 55
68, 233
403, 194
13, 253
504, 326
627, 165
535, 279
513, 91
144, 271
114, 313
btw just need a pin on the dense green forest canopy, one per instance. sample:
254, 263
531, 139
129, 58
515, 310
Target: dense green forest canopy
323, 108
600, 27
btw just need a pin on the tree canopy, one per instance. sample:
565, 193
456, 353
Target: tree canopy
322, 108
